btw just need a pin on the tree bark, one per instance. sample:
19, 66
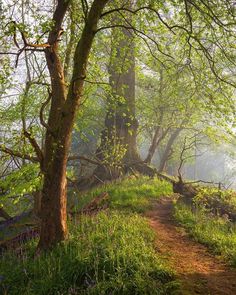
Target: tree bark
37, 203
167, 150
158, 134
119, 135
60, 122
154, 144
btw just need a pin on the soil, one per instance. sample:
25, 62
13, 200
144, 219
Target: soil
198, 271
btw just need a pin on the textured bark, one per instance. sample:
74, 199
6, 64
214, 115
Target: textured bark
71, 43
37, 203
121, 126
60, 122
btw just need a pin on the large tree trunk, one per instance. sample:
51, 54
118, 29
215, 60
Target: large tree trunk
60, 123
118, 140
121, 124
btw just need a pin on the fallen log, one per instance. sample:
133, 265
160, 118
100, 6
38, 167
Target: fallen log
187, 191
97, 204
101, 202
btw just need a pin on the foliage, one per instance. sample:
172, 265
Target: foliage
207, 195
18, 186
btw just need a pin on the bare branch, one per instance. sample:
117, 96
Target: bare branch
77, 157
44, 104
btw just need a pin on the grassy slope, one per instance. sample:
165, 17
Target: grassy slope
217, 233
131, 194
111, 253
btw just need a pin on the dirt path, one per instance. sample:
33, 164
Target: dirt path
198, 270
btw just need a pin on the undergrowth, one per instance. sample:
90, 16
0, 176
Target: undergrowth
131, 194
110, 253
210, 195
218, 233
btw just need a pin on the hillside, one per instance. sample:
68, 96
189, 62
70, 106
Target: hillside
128, 243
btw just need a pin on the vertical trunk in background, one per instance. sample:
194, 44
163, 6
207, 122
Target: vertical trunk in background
71, 43
60, 122
154, 144
158, 134
120, 120
167, 150
120, 131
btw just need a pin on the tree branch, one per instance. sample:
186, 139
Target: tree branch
77, 157
35, 146
13, 153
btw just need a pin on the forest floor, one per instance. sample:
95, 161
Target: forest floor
198, 271
105, 239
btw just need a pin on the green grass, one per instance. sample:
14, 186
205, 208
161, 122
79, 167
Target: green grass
132, 194
110, 253
217, 233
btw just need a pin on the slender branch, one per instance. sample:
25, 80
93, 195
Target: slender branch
77, 157
35, 145
44, 104
138, 33
13, 153
96, 82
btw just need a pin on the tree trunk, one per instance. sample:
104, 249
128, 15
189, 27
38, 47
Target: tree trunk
153, 146
37, 203
60, 123
167, 150
121, 124
158, 134
118, 140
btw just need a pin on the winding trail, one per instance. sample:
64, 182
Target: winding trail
198, 271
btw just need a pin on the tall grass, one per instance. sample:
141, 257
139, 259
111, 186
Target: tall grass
132, 194
219, 234
110, 253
